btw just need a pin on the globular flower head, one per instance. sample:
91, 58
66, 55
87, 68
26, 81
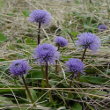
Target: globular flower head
88, 40
102, 27
46, 53
75, 65
61, 41
19, 67
40, 16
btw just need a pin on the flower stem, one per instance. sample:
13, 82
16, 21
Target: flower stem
39, 31
58, 47
46, 74
71, 77
47, 82
83, 55
90, 1
27, 89
56, 66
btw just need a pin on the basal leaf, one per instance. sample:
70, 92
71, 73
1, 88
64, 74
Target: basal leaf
25, 13
93, 79
3, 38
77, 106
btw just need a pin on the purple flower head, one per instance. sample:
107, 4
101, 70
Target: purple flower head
19, 67
40, 16
61, 41
102, 27
75, 65
46, 53
88, 40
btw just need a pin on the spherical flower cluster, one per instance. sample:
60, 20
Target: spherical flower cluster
46, 53
88, 40
102, 27
75, 65
40, 16
19, 67
61, 41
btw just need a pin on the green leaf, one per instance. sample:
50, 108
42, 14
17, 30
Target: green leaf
65, 58
3, 38
93, 79
16, 56
2, 2
74, 34
10, 14
5, 101
90, 107
30, 41
33, 94
107, 71
77, 106
35, 74
3, 91
1, 59
97, 92
25, 13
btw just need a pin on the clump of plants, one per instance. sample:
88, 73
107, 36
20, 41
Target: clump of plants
47, 58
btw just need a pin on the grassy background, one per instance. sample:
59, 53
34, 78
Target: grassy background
18, 40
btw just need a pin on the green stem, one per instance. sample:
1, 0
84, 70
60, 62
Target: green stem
83, 55
27, 89
56, 66
39, 31
90, 1
46, 74
71, 77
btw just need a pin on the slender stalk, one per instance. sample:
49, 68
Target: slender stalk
71, 77
83, 55
47, 82
46, 74
43, 71
90, 1
39, 32
82, 59
50, 96
58, 47
27, 89
56, 66
70, 83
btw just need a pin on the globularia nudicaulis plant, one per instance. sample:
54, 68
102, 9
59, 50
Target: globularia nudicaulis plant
42, 18
20, 68
89, 41
60, 42
102, 27
75, 66
47, 54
